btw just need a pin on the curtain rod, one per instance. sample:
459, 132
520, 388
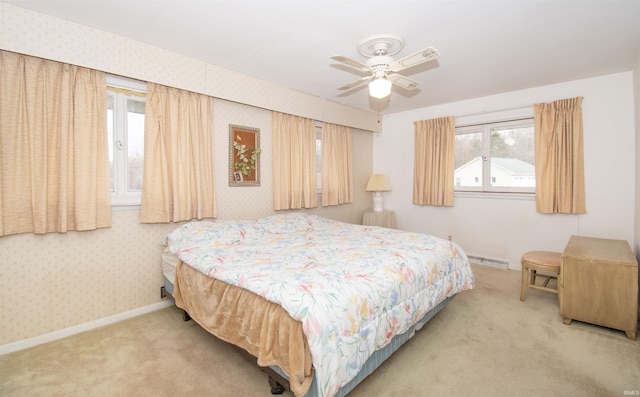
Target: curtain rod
494, 111
494, 122
126, 91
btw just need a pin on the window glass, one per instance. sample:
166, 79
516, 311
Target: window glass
512, 163
110, 116
135, 144
468, 162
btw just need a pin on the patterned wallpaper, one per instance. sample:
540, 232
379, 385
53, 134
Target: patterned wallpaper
57, 281
44, 36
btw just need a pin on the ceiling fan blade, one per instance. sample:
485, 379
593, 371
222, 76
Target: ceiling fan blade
351, 62
355, 83
403, 81
418, 57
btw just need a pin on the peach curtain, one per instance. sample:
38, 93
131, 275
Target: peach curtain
178, 180
434, 162
337, 166
54, 161
294, 162
559, 157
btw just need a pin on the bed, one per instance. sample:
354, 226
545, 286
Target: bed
319, 303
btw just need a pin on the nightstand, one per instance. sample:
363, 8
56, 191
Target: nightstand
382, 218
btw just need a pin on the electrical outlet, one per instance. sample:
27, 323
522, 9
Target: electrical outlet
449, 238
163, 292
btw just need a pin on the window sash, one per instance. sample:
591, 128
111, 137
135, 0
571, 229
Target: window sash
126, 99
482, 157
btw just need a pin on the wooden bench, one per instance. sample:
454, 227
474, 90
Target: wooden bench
539, 261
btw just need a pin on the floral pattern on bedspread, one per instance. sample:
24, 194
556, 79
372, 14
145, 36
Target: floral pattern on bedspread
352, 287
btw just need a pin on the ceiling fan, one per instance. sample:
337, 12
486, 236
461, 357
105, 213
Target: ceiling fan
381, 67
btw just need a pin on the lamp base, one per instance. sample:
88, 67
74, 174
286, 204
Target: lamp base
378, 202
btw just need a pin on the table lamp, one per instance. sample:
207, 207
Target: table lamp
378, 183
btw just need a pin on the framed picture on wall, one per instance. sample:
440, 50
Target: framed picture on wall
244, 156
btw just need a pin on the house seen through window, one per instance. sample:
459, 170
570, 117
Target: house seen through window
495, 157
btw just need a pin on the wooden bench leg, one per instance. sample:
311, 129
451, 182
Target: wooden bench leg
523, 288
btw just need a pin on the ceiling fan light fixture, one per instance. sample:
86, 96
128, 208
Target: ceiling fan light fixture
380, 88
382, 68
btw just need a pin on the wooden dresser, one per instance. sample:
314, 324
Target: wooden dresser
598, 284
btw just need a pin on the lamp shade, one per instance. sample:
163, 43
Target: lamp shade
378, 183
379, 88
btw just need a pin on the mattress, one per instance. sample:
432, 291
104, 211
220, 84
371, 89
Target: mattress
169, 265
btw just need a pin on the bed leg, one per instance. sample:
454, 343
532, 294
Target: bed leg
185, 316
276, 388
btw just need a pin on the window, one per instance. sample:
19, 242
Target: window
125, 123
495, 157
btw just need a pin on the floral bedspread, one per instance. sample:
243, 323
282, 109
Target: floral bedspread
352, 287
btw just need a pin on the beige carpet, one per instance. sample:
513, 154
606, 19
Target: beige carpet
485, 343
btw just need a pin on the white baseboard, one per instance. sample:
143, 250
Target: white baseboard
63, 333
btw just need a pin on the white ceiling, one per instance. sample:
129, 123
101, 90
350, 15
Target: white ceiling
486, 46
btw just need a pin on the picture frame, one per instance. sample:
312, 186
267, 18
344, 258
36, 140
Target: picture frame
244, 156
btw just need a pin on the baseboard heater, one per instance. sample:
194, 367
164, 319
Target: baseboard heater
480, 260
